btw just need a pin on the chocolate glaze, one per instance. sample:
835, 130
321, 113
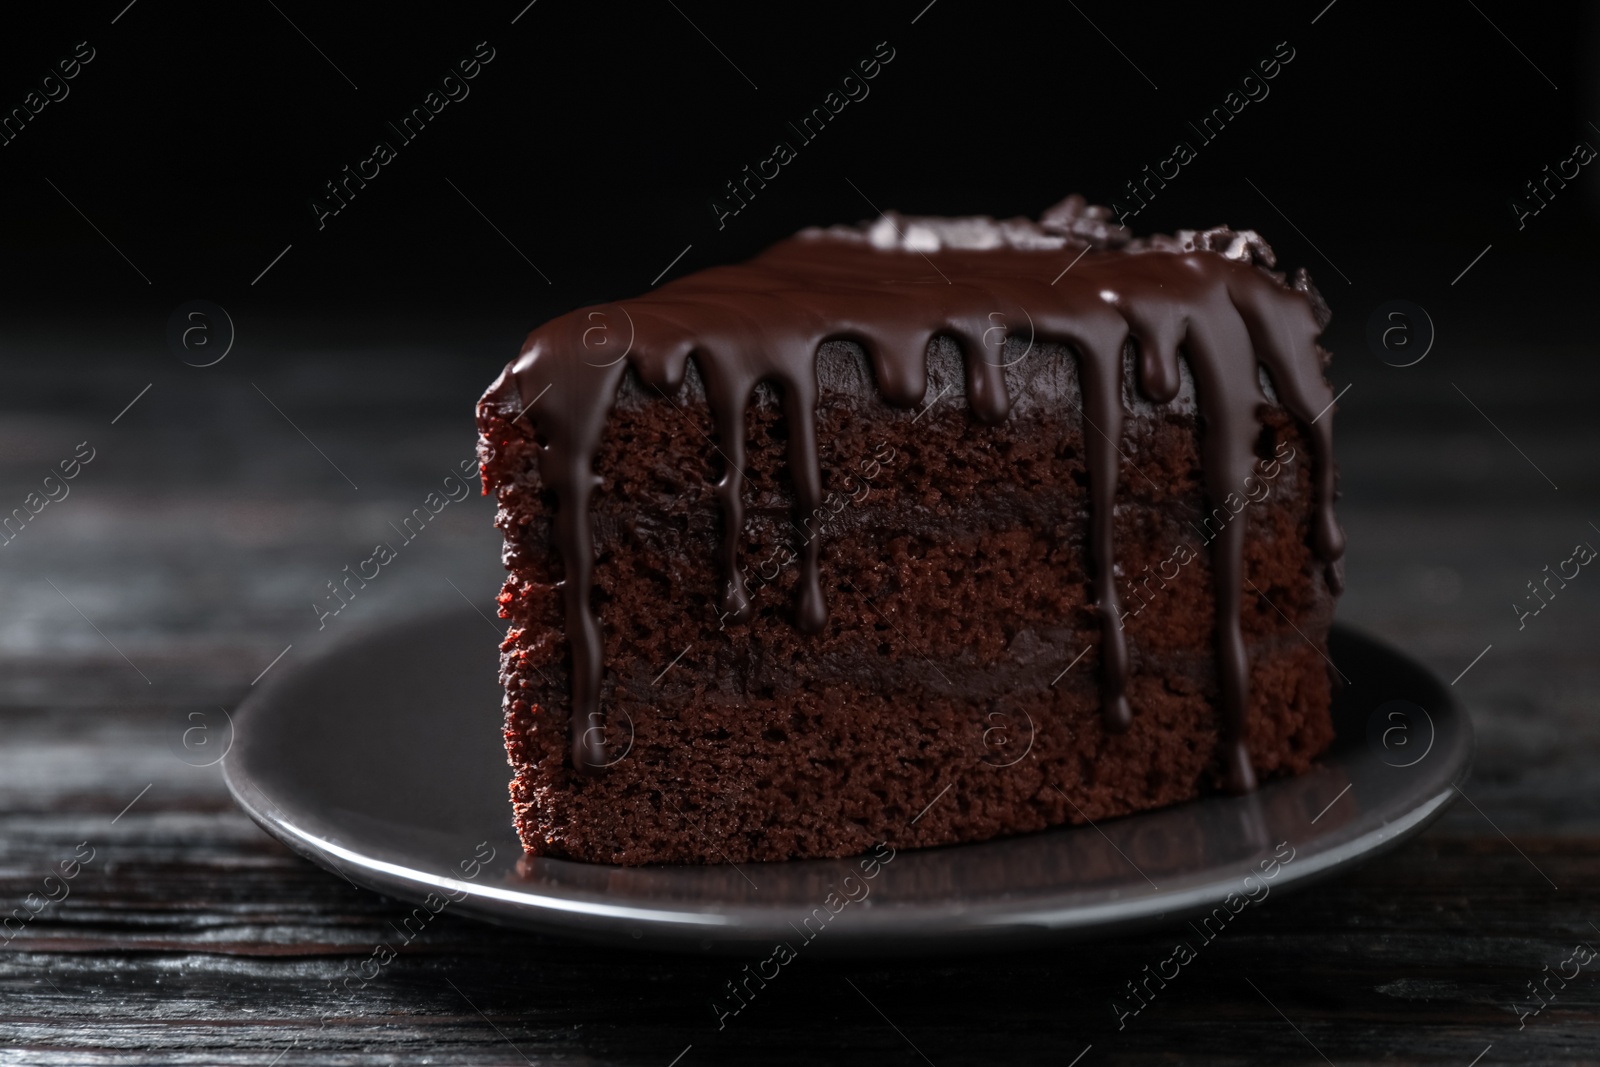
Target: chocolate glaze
891, 288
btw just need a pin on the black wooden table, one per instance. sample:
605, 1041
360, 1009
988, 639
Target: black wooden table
184, 560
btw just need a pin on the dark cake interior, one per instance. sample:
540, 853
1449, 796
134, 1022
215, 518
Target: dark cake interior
881, 537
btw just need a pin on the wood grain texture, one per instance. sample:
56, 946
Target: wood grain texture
196, 540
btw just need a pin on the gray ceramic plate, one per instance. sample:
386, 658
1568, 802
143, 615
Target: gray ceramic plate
383, 761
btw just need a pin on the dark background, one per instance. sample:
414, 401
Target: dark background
222, 498
596, 138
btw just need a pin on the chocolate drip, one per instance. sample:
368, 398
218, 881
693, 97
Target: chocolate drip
1100, 372
1282, 338
765, 320
1226, 382
728, 410
566, 465
987, 394
800, 411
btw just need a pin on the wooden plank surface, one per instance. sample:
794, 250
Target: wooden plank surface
188, 552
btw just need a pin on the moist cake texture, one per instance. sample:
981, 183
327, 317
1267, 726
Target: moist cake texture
923, 531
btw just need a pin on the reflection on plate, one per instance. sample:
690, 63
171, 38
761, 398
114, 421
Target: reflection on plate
382, 761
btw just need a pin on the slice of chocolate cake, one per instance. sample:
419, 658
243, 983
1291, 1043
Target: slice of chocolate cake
923, 532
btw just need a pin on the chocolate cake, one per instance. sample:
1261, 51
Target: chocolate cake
923, 531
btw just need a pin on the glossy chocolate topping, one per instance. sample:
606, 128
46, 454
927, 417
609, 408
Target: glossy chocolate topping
892, 287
